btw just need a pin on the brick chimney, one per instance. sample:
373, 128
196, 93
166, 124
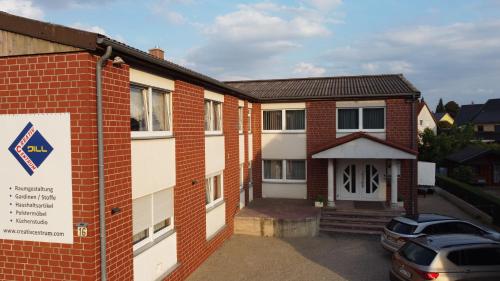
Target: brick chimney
157, 52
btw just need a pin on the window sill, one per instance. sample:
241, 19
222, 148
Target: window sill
362, 131
141, 135
155, 241
214, 205
283, 181
213, 133
284, 132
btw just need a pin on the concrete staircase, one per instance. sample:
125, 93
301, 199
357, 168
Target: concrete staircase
355, 220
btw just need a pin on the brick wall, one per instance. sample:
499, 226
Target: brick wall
189, 193
321, 131
66, 83
257, 150
399, 131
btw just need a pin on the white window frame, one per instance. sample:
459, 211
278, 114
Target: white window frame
360, 120
211, 130
213, 202
283, 121
168, 106
283, 174
240, 119
249, 116
152, 235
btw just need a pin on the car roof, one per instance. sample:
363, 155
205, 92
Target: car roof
419, 218
437, 242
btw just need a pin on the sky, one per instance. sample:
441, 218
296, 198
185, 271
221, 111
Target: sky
448, 49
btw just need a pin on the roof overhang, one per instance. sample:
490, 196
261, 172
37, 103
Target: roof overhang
363, 146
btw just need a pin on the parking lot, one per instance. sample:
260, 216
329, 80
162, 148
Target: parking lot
335, 257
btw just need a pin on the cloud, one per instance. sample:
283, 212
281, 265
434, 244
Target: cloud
308, 70
325, 5
24, 8
252, 40
90, 28
166, 10
64, 4
459, 61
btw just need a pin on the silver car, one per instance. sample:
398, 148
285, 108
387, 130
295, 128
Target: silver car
400, 229
450, 257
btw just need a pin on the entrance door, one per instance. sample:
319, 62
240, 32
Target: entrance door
361, 180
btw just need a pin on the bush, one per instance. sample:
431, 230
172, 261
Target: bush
472, 195
462, 174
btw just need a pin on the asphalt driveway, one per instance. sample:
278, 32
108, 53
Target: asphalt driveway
327, 257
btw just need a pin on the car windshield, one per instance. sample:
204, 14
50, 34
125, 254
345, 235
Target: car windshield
400, 227
417, 254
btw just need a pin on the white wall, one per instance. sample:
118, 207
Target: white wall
242, 148
425, 116
151, 79
284, 190
153, 165
215, 219
215, 159
294, 105
250, 193
250, 147
157, 260
242, 198
284, 146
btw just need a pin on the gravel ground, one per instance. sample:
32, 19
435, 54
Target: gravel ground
327, 257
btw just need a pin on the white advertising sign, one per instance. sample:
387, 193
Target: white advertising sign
36, 200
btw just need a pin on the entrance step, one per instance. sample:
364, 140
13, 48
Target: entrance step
355, 221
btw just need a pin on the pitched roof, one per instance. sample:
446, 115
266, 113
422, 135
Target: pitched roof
357, 135
469, 153
467, 113
439, 115
490, 112
371, 86
95, 42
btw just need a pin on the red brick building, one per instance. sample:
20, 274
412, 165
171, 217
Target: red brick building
183, 152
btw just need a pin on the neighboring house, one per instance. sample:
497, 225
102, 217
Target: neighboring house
182, 152
484, 117
444, 117
485, 163
425, 118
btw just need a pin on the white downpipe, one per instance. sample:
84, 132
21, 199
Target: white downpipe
330, 182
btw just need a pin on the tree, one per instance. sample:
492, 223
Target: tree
435, 148
452, 108
440, 106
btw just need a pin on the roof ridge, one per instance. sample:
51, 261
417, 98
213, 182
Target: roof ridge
321, 78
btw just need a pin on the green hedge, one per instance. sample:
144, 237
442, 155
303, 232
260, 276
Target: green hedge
473, 195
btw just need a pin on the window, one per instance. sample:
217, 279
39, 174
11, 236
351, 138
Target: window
285, 170
284, 120
150, 111
480, 128
476, 257
371, 119
152, 216
295, 119
417, 254
401, 227
213, 190
296, 169
249, 120
242, 175
272, 120
240, 118
421, 122
213, 116
348, 119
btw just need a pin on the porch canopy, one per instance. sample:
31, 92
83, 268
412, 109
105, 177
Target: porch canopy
363, 146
